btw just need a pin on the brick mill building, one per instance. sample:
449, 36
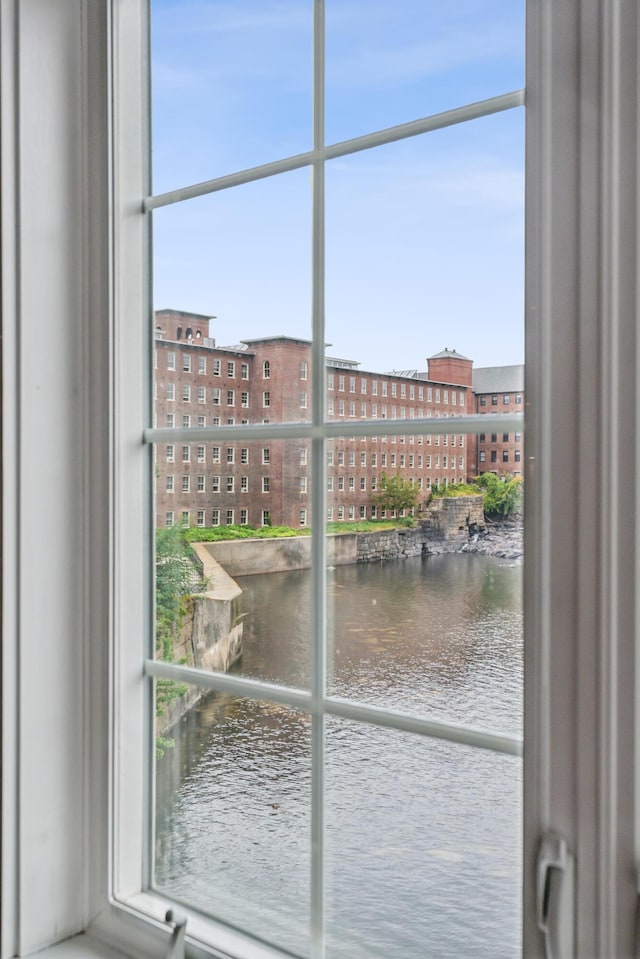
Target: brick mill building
498, 389
201, 384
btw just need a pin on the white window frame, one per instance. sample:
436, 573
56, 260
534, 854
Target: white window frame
580, 669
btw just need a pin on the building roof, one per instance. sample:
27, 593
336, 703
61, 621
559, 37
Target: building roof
278, 338
449, 354
499, 379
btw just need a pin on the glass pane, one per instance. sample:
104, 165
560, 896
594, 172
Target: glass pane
438, 635
436, 870
425, 248
233, 815
395, 62
240, 256
233, 548
231, 86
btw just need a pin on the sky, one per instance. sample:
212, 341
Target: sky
424, 237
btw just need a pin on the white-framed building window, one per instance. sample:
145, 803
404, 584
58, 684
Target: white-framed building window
171, 392
580, 766
216, 367
266, 482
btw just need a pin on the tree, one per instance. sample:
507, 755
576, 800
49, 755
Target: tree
396, 493
502, 495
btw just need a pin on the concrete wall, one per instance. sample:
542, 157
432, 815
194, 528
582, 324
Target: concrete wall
244, 557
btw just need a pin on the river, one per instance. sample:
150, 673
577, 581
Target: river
422, 837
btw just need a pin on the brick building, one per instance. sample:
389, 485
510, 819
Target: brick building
201, 384
498, 389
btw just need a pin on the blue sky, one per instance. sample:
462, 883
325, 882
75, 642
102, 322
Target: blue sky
424, 237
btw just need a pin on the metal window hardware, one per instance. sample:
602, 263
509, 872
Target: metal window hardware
554, 894
176, 943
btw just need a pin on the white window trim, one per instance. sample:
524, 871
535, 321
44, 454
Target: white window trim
580, 666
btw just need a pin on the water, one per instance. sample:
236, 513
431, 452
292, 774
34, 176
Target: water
423, 837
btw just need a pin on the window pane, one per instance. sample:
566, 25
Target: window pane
241, 256
233, 582
231, 86
414, 58
233, 815
436, 871
425, 248
439, 635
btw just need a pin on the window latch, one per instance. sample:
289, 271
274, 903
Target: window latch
554, 906
176, 943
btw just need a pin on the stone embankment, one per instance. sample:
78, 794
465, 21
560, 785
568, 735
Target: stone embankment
503, 538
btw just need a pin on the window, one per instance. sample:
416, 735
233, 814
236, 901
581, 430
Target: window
483, 401
244, 517
202, 364
494, 456
186, 484
244, 372
170, 453
265, 484
215, 454
303, 400
506, 399
169, 484
229, 517
330, 484
303, 456
201, 482
330, 381
244, 484
215, 485
171, 363
303, 375
231, 369
170, 421
186, 393
215, 517
186, 454
266, 373
215, 396
612, 39
352, 484
171, 391
266, 398
186, 363
186, 421
216, 367
201, 455
169, 518
303, 484
200, 518
230, 484
363, 482
231, 397
516, 456
202, 394
244, 455
302, 517
266, 455
185, 518
494, 400
352, 384
341, 483
230, 454
341, 383
244, 399
518, 398
266, 517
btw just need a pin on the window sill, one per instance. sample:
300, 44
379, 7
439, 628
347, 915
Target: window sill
80, 947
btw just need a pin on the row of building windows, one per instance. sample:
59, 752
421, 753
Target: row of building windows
493, 456
482, 437
216, 365
411, 391
506, 399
